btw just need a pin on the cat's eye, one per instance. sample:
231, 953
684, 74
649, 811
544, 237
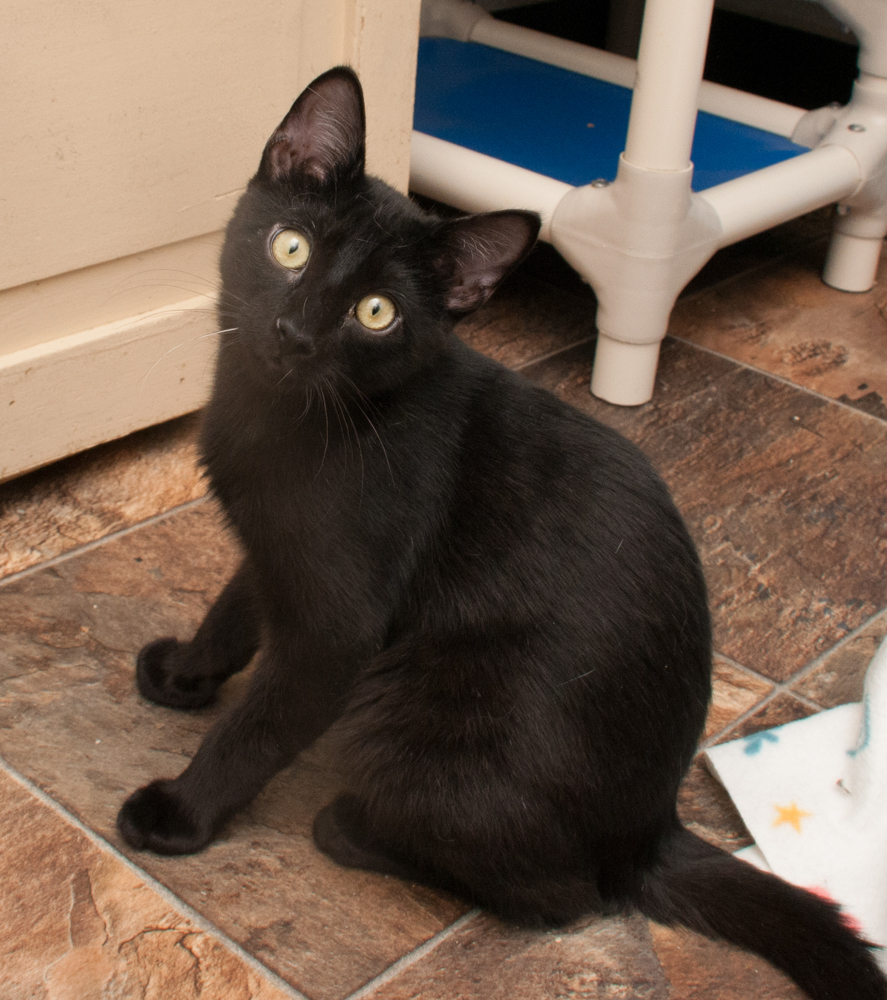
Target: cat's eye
376, 312
291, 249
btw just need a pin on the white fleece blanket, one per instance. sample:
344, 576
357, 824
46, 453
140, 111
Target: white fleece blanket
813, 794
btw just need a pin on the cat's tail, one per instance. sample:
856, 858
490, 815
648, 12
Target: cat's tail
700, 887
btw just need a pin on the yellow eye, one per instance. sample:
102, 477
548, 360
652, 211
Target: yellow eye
376, 312
291, 249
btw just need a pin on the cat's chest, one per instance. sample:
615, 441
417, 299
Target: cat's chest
313, 499
277, 502
311, 510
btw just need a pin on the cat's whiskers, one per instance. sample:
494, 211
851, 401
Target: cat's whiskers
216, 291
190, 340
326, 420
361, 398
211, 306
213, 283
337, 409
309, 399
343, 412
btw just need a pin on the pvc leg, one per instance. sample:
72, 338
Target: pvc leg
624, 373
852, 262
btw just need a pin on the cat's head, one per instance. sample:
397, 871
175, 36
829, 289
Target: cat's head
330, 274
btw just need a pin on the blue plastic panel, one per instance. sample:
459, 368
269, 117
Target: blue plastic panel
559, 123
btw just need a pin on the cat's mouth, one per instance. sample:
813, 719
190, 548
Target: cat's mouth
286, 359
291, 370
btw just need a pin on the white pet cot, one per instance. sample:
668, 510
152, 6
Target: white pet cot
639, 238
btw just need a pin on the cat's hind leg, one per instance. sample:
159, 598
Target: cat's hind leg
188, 674
342, 832
534, 899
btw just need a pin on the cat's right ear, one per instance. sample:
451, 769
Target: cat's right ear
477, 251
324, 133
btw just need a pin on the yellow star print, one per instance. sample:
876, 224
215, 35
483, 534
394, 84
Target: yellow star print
791, 815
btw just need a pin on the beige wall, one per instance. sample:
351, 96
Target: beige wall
129, 131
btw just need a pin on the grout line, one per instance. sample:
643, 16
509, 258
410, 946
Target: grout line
197, 918
779, 687
809, 702
412, 957
849, 637
747, 714
741, 666
553, 354
786, 687
779, 378
88, 546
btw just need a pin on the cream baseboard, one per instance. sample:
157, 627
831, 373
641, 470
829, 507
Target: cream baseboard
77, 391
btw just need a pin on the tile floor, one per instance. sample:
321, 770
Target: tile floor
769, 424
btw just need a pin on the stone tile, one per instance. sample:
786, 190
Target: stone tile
785, 320
602, 957
70, 720
777, 712
734, 692
90, 495
699, 969
487, 960
839, 678
705, 808
76, 923
782, 492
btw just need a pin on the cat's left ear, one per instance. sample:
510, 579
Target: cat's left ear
324, 133
479, 250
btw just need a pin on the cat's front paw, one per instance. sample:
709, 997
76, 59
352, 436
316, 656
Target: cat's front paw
163, 677
156, 819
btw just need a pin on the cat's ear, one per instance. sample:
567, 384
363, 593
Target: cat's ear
477, 252
324, 133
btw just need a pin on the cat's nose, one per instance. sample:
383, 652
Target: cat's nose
292, 339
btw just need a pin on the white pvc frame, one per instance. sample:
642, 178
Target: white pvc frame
639, 240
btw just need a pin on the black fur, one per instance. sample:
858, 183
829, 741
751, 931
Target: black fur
492, 592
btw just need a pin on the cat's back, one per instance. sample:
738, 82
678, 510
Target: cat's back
549, 516
529, 461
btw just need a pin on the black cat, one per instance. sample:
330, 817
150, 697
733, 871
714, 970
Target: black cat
492, 592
